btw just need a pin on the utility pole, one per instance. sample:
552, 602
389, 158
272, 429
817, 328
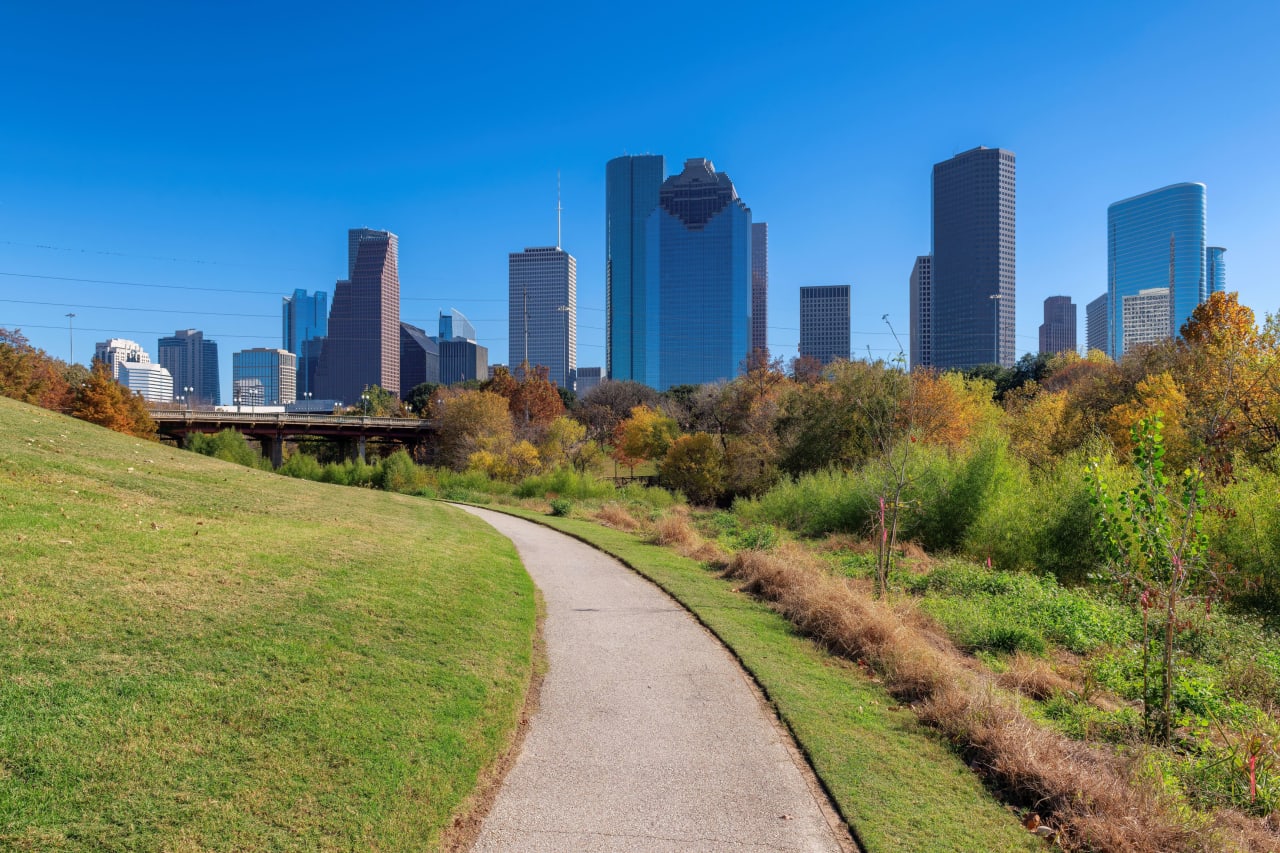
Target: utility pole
71, 339
524, 368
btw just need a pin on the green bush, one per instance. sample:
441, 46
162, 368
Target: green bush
301, 466
953, 491
229, 446
561, 507
1244, 533
568, 483
399, 473
816, 504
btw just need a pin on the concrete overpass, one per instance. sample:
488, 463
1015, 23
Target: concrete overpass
273, 429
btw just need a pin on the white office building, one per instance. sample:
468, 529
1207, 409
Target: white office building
152, 381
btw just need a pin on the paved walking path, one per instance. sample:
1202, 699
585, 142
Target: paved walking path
648, 737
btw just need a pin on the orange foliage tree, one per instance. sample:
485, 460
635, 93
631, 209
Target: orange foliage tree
105, 402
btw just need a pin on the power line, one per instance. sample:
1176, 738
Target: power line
145, 310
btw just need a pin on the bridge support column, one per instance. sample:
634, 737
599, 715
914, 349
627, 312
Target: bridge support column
360, 448
277, 450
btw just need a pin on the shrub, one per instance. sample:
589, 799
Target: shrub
565, 482
813, 504
694, 464
399, 473
302, 466
561, 507
229, 446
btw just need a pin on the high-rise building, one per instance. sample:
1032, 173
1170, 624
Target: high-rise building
152, 381
248, 392
543, 310
973, 282
759, 286
1156, 240
455, 326
588, 378
419, 359
304, 324
1215, 269
363, 344
697, 280
632, 185
1058, 331
276, 369
1145, 315
1096, 335
192, 361
824, 322
921, 296
117, 351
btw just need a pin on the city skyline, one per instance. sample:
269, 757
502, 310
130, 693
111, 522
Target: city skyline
191, 201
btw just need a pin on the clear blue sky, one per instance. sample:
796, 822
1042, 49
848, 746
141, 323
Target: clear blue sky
230, 145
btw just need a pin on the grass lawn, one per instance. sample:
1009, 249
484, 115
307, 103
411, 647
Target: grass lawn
200, 656
896, 782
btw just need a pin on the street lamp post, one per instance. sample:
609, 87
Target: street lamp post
187, 391
364, 404
995, 304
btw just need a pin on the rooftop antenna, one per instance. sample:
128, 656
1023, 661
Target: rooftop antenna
558, 208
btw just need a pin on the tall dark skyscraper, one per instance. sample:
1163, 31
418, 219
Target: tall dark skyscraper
1095, 326
824, 322
193, 363
1058, 331
759, 286
974, 259
363, 345
419, 359
304, 324
697, 280
631, 194
921, 290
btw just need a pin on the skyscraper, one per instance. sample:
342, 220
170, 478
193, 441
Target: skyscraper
461, 358
305, 322
192, 361
419, 359
974, 259
760, 286
1156, 240
151, 381
697, 280
1215, 269
824, 322
1096, 334
114, 352
632, 185
543, 311
1145, 315
363, 344
1058, 331
921, 296
275, 369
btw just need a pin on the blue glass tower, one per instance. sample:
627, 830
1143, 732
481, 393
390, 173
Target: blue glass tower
1215, 269
697, 280
632, 185
304, 324
1155, 240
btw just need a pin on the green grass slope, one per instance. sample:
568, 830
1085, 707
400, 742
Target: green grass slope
199, 656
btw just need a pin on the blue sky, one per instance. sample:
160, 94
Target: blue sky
229, 146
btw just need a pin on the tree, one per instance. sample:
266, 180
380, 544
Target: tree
533, 400
694, 464
1154, 539
647, 434
566, 442
31, 375
472, 421
946, 408
610, 403
381, 403
105, 402
422, 398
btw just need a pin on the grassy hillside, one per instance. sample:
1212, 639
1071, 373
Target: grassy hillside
199, 656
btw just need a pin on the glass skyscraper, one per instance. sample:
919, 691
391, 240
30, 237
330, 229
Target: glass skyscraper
304, 324
697, 280
363, 345
1215, 269
920, 288
973, 284
1156, 240
632, 185
192, 361
543, 312
1058, 331
1095, 315
274, 370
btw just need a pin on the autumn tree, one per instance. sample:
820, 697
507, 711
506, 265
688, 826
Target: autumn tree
533, 400
694, 465
472, 421
947, 409
647, 434
565, 442
31, 375
610, 403
105, 402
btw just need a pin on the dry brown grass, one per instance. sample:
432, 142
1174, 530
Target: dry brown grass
675, 530
1092, 798
1034, 677
617, 516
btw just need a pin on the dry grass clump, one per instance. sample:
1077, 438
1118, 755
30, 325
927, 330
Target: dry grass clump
617, 516
1033, 677
1093, 800
674, 529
